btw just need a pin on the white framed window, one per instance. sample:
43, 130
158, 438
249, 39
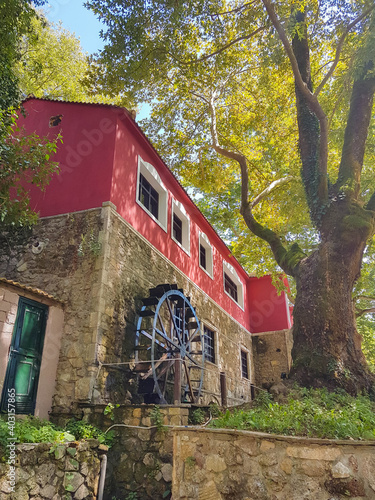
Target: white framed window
152, 195
233, 286
180, 231
245, 363
205, 255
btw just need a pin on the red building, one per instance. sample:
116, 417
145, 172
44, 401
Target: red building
105, 158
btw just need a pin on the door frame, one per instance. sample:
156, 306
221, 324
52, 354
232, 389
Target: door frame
23, 302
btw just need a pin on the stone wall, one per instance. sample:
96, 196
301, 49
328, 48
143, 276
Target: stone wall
68, 266
45, 471
272, 356
140, 459
100, 269
226, 465
132, 267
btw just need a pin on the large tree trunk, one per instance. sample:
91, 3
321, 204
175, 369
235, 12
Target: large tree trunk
327, 347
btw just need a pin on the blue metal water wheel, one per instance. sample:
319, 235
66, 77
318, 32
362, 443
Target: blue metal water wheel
168, 341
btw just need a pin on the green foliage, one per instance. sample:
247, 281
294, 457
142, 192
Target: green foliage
190, 461
53, 65
131, 496
307, 412
16, 17
33, 430
109, 410
24, 161
197, 417
83, 430
157, 419
89, 244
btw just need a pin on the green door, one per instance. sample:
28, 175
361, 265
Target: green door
25, 356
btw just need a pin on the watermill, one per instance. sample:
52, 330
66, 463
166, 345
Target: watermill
169, 350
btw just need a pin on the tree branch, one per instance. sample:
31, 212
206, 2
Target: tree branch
361, 312
355, 137
313, 144
269, 189
218, 51
340, 46
287, 260
233, 11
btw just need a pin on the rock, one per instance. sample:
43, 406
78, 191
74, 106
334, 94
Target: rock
340, 471
60, 451
72, 481
167, 471
215, 463
279, 388
44, 473
318, 453
81, 493
48, 491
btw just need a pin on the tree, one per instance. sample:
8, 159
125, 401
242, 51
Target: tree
53, 65
228, 74
22, 158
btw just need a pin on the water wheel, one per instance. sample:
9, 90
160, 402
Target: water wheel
169, 348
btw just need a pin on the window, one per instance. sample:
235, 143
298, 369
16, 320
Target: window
209, 344
230, 287
202, 256
233, 286
152, 196
244, 364
205, 254
177, 228
148, 196
180, 226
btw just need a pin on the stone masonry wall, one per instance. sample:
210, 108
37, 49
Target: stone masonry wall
226, 465
132, 267
140, 459
58, 472
62, 256
272, 356
100, 269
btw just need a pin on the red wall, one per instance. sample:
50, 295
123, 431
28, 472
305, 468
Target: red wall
99, 160
268, 310
85, 157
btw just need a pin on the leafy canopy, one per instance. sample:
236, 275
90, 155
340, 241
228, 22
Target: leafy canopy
183, 56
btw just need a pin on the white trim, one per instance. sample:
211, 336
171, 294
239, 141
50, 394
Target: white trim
179, 210
231, 272
151, 175
205, 242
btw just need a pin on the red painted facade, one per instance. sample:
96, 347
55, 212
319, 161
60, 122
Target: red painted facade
99, 162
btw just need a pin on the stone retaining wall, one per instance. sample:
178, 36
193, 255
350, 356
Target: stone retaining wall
58, 472
140, 459
227, 465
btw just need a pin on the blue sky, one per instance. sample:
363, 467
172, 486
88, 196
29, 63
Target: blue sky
76, 18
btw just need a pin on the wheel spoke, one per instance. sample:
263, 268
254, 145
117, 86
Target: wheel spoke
176, 329
166, 338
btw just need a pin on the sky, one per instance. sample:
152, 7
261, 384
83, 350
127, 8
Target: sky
77, 19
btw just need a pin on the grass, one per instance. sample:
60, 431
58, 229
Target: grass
35, 430
306, 412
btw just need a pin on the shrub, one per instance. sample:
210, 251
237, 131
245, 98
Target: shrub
307, 412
